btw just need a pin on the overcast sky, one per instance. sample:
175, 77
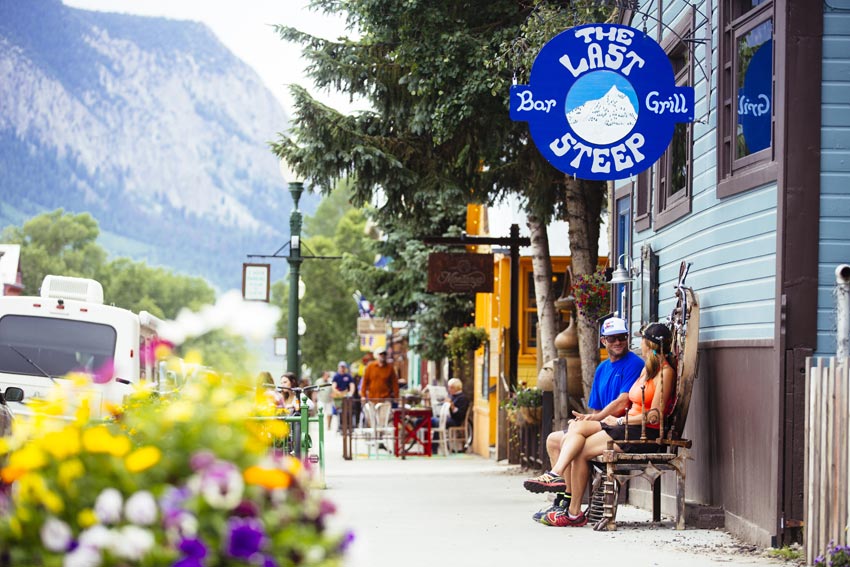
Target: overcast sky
244, 27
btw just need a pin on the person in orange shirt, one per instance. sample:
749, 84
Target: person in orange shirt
380, 380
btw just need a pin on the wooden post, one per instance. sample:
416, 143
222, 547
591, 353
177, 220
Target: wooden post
546, 427
561, 395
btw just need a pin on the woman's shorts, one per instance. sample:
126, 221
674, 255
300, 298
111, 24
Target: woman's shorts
618, 433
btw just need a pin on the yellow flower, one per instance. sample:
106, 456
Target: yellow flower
69, 472
86, 518
120, 446
97, 439
269, 479
62, 444
28, 457
52, 501
142, 459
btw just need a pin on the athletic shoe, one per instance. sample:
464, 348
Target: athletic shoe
562, 519
562, 501
546, 482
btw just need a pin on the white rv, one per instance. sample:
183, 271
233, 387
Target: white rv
68, 329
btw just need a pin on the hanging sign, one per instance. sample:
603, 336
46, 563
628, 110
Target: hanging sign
460, 273
603, 102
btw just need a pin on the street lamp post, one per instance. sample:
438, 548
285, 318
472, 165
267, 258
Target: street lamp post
296, 187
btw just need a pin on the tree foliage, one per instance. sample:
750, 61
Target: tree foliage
437, 75
65, 244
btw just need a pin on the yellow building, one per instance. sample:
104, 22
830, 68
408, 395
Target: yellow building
492, 312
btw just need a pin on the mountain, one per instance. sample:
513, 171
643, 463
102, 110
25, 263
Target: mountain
152, 126
604, 120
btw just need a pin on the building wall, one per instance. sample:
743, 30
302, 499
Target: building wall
834, 246
731, 243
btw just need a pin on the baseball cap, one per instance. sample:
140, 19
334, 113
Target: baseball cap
342, 363
614, 326
658, 333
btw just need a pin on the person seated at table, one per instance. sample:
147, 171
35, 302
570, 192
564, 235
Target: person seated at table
458, 404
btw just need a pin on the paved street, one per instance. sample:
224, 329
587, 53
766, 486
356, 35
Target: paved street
465, 510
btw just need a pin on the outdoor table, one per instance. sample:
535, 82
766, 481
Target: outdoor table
412, 426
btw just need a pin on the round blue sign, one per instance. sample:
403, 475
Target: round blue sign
602, 103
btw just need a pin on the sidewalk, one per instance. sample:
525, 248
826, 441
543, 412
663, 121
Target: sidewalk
466, 510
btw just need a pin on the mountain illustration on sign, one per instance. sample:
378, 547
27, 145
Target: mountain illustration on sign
604, 120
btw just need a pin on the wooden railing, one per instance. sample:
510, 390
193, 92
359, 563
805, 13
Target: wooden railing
827, 514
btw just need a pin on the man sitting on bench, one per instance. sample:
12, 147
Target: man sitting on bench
608, 396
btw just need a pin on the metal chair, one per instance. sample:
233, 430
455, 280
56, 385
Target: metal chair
384, 433
441, 429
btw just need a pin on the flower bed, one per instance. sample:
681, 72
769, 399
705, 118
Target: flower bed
185, 481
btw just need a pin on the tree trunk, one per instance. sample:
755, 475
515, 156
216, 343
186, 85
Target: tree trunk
583, 202
544, 291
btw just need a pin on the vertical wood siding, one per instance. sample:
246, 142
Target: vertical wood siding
834, 246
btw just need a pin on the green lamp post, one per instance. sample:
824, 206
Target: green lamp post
296, 187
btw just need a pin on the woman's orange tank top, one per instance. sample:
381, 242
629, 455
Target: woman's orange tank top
649, 394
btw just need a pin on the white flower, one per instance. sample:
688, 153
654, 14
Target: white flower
132, 542
140, 508
97, 537
107, 507
83, 556
55, 535
222, 487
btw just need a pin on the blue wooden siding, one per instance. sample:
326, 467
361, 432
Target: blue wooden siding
731, 243
834, 231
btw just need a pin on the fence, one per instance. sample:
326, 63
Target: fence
299, 442
826, 456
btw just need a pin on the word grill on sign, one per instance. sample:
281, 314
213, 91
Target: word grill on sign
602, 102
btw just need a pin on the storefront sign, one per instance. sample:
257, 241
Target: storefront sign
460, 273
755, 98
602, 103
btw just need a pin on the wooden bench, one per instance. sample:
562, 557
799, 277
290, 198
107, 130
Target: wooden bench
618, 468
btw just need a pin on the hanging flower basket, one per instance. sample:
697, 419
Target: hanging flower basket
593, 295
461, 340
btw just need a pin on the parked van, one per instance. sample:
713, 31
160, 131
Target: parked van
67, 329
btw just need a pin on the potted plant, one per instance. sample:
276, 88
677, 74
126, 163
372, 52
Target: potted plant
529, 402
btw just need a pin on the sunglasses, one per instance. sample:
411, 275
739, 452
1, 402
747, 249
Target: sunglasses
617, 339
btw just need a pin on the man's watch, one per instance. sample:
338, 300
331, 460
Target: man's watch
620, 421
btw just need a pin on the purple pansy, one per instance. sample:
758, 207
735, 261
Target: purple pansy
245, 537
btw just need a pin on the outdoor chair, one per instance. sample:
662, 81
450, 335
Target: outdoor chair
441, 430
384, 432
460, 434
621, 467
366, 432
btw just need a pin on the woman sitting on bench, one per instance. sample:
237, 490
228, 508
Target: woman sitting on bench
585, 441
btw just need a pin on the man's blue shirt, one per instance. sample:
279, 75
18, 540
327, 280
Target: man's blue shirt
613, 378
342, 381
